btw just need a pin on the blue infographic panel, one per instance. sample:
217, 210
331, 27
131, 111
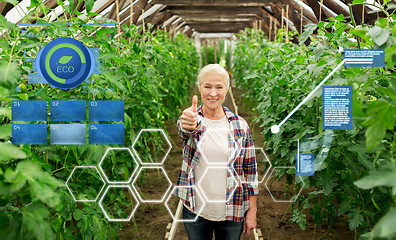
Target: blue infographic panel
106, 110
68, 110
29, 133
337, 107
106, 134
68, 134
305, 164
29, 110
364, 58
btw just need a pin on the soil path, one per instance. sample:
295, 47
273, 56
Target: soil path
151, 220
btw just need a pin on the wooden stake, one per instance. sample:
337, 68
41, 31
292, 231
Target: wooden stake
270, 29
320, 10
131, 13
362, 14
118, 17
206, 51
260, 22
215, 52
143, 20
287, 23
301, 19
282, 18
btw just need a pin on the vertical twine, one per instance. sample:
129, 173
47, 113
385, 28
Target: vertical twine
118, 17
301, 19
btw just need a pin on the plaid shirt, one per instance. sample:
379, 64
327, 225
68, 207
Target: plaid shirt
241, 177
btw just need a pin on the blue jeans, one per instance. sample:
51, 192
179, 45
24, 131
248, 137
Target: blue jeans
202, 229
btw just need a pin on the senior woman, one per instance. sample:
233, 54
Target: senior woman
230, 145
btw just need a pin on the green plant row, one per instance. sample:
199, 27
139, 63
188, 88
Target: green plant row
355, 180
151, 71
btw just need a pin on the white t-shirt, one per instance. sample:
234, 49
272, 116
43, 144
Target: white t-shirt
215, 150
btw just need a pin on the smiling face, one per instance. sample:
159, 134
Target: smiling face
213, 89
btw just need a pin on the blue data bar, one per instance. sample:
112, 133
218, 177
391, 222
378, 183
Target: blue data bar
337, 107
29, 133
29, 110
106, 134
106, 110
364, 58
305, 164
68, 111
68, 134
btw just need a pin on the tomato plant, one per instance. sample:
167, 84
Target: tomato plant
150, 70
353, 181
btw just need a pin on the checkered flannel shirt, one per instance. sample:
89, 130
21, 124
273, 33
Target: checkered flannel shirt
242, 167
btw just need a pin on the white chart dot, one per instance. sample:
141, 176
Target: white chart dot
275, 129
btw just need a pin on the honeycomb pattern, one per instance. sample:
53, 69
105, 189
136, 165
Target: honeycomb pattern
126, 179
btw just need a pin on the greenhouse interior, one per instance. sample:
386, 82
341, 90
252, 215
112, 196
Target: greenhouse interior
106, 105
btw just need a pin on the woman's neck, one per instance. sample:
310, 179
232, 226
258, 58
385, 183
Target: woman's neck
213, 114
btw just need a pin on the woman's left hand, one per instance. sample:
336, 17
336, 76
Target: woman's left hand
250, 221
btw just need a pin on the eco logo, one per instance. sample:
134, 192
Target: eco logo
65, 63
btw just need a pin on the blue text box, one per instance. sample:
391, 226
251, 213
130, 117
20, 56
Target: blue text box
337, 107
29, 133
364, 58
106, 134
106, 110
29, 110
68, 111
68, 134
305, 164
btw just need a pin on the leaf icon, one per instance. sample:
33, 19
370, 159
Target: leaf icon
64, 59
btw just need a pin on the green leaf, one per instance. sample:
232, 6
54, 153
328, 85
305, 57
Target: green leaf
78, 214
10, 72
356, 219
385, 228
5, 131
35, 220
13, 2
9, 151
379, 35
64, 59
5, 112
386, 177
344, 207
4, 24
88, 5
380, 120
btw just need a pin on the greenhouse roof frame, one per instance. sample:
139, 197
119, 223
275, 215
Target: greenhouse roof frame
211, 16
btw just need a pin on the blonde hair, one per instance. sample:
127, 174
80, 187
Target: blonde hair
213, 68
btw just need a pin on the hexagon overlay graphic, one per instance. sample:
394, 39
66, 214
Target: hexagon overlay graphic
263, 164
118, 203
85, 183
151, 146
172, 202
118, 165
211, 177
216, 145
286, 194
153, 183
